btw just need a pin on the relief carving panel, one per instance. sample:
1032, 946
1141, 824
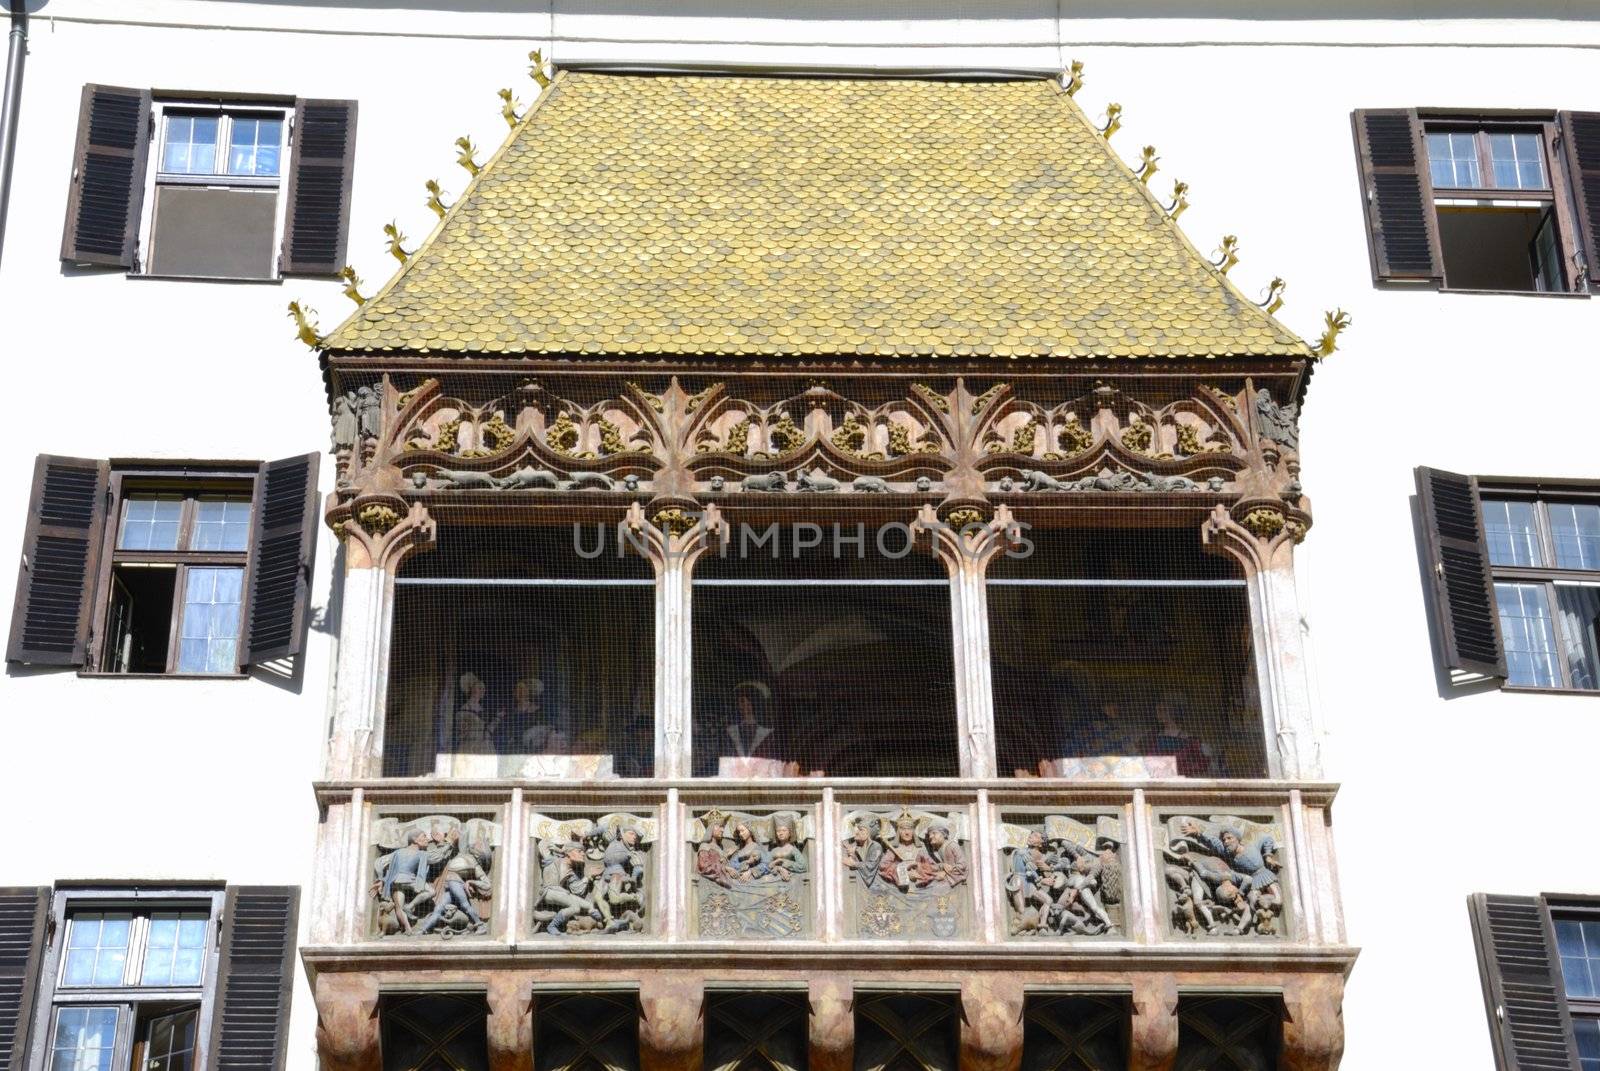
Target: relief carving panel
752, 875
1063, 876
906, 875
1222, 876
432, 876
592, 875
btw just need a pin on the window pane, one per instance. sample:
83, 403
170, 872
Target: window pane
1580, 611
1512, 531
191, 145
1588, 1035
1576, 529
97, 948
85, 1039
150, 522
1518, 163
1453, 159
1529, 635
209, 637
173, 953
253, 146
222, 523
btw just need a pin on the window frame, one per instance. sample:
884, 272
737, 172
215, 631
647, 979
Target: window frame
133, 999
1570, 906
1541, 494
192, 481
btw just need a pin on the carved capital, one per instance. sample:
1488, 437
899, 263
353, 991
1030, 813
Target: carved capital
1259, 533
1313, 1023
381, 531
347, 1022
832, 1023
671, 531
671, 1022
963, 538
1153, 1039
991, 1022
510, 1024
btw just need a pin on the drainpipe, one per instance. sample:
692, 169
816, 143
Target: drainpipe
16, 52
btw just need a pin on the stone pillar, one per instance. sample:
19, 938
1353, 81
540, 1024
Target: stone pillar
965, 543
377, 537
347, 1023
991, 1022
1261, 535
1313, 1023
832, 1023
511, 1022
671, 1021
673, 538
1153, 1039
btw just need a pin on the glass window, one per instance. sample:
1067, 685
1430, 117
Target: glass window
1576, 529
253, 146
150, 522
1528, 634
1517, 161
172, 1042
191, 145
1579, 606
175, 950
85, 1039
97, 948
1588, 1034
209, 639
1578, 941
1512, 529
1453, 159
222, 523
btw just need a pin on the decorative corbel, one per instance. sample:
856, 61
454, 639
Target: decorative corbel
510, 1024
991, 1021
1260, 533
962, 537
1153, 1040
1313, 1023
1113, 121
465, 156
671, 1021
832, 1022
347, 1021
675, 531
436, 198
380, 531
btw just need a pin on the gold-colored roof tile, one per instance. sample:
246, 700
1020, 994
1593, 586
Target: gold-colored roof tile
753, 215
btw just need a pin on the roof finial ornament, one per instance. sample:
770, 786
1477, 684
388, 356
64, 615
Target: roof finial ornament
1074, 76
1274, 299
468, 150
436, 198
536, 71
1180, 200
1147, 164
1334, 322
352, 285
304, 327
1229, 254
508, 109
396, 250
1113, 121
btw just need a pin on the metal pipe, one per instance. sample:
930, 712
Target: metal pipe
16, 53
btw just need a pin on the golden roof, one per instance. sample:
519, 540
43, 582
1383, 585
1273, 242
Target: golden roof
704, 214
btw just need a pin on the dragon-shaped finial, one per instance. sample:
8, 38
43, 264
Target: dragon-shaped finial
304, 328
1147, 164
1228, 254
468, 150
436, 198
1274, 299
508, 109
1113, 121
536, 71
1333, 323
396, 249
352, 285
1180, 200
1074, 77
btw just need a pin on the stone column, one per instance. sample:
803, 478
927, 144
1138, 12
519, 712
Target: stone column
673, 538
511, 1022
832, 1023
1261, 535
1153, 1039
1313, 1023
991, 1022
965, 543
671, 1021
347, 1022
377, 537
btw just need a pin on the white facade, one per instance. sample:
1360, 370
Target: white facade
1442, 794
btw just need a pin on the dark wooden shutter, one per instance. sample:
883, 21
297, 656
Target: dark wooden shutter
1522, 986
1580, 131
22, 920
283, 543
1398, 196
251, 1022
108, 167
320, 170
66, 511
1458, 574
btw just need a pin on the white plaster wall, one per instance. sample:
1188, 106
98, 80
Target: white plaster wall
1249, 103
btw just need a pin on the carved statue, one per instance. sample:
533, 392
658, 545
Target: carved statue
597, 480
1169, 483
908, 881
1280, 423
369, 412
1036, 480
872, 485
1064, 877
528, 478
767, 481
1222, 877
467, 480
816, 481
346, 422
593, 874
432, 876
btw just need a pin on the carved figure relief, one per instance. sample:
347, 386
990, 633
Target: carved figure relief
906, 875
1222, 877
752, 875
433, 876
1063, 876
592, 874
